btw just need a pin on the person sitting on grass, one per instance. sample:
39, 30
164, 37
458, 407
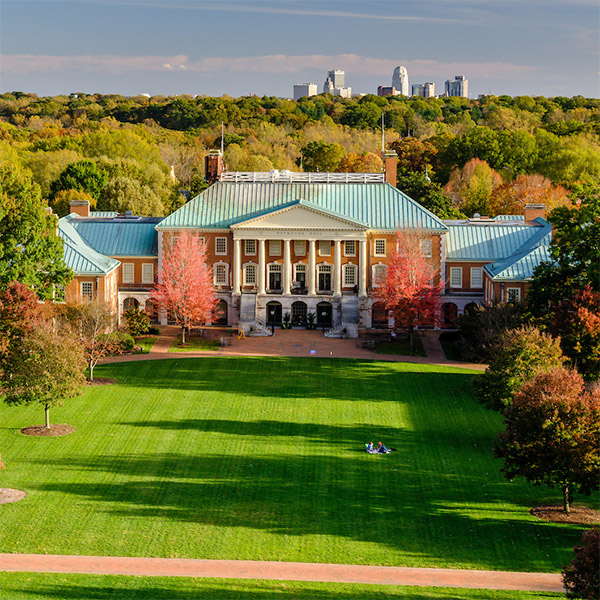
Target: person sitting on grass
370, 448
381, 448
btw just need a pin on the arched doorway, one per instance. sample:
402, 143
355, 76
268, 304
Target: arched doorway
273, 313
324, 314
130, 303
220, 313
379, 316
299, 314
450, 313
471, 307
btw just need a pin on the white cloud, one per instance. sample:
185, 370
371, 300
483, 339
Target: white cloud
276, 63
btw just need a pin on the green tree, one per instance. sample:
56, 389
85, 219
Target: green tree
551, 435
137, 321
519, 355
43, 367
414, 155
84, 176
30, 250
61, 203
123, 193
429, 194
321, 156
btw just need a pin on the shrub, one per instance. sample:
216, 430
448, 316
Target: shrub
581, 578
121, 338
153, 331
137, 321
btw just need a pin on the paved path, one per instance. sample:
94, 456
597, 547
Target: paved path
282, 571
297, 342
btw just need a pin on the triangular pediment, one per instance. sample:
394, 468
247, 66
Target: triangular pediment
301, 215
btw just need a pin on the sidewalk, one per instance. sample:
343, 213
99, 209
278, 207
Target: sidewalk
298, 342
282, 571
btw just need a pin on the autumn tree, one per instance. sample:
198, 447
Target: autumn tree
519, 355
30, 250
414, 155
411, 287
321, 156
19, 313
90, 323
61, 202
551, 434
43, 367
581, 578
186, 291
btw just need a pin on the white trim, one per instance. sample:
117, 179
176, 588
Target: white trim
246, 252
349, 267
346, 242
459, 272
149, 279
226, 282
375, 253
85, 296
128, 277
245, 277
477, 286
217, 252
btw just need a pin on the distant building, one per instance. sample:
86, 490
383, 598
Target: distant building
400, 81
383, 90
458, 87
424, 90
334, 84
304, 89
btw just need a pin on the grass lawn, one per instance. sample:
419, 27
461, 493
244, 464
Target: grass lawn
449, 342
49, 586
146, 343
261, 458
194, 343
400, 346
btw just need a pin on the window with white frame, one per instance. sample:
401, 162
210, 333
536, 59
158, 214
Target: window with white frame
476, 277
380, 247
148, 273
128, 273
250, 274
220, 273
349, 248
456, 277
87, 290
324, 248
250, 247
349, 275
299, 247
275, 248
379, 273
221, 245
513, 294
426, 247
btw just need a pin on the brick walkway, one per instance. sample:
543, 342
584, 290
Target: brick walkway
298, 342
282, 571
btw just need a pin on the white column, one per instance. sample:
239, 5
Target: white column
261, 266
362, 269
287, 268
312, 267
237, 266
337, 268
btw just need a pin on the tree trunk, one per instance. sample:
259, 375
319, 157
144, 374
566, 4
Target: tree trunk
47, 411
411, 338
182, 335
91, 372
565, 489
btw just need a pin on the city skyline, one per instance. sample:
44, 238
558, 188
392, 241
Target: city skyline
130, 47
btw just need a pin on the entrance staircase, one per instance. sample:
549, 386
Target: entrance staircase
347, 325
250, 323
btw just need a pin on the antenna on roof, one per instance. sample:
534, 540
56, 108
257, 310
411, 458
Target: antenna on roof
222, 138
382, 136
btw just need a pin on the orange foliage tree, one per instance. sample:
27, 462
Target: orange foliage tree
186, 290
411, 287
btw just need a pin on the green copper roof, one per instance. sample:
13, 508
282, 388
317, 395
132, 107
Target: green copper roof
82, 259
118, 236
491, 241
376, 205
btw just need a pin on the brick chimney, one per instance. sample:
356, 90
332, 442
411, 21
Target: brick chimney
390, 166
213, 166
80, 207
533, 211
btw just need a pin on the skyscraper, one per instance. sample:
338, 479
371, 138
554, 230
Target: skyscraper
425, 90
338, 78
458, 87
334, 84
400, 81
304, 89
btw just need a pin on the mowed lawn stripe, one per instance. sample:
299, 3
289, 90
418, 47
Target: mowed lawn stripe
263, 459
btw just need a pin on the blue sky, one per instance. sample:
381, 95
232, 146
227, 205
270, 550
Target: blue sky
237, 47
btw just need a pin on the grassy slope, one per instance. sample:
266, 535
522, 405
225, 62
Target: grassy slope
49, 586
260, 458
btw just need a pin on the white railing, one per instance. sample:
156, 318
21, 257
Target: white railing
298, 177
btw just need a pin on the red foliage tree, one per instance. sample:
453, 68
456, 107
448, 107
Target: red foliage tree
19, 311
186, 290
551, 435
582, 577
411, 287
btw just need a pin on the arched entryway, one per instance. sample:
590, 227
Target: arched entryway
220, 313
379, 316
130, 303
449, 314
298, 314
324, 314
273, 313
